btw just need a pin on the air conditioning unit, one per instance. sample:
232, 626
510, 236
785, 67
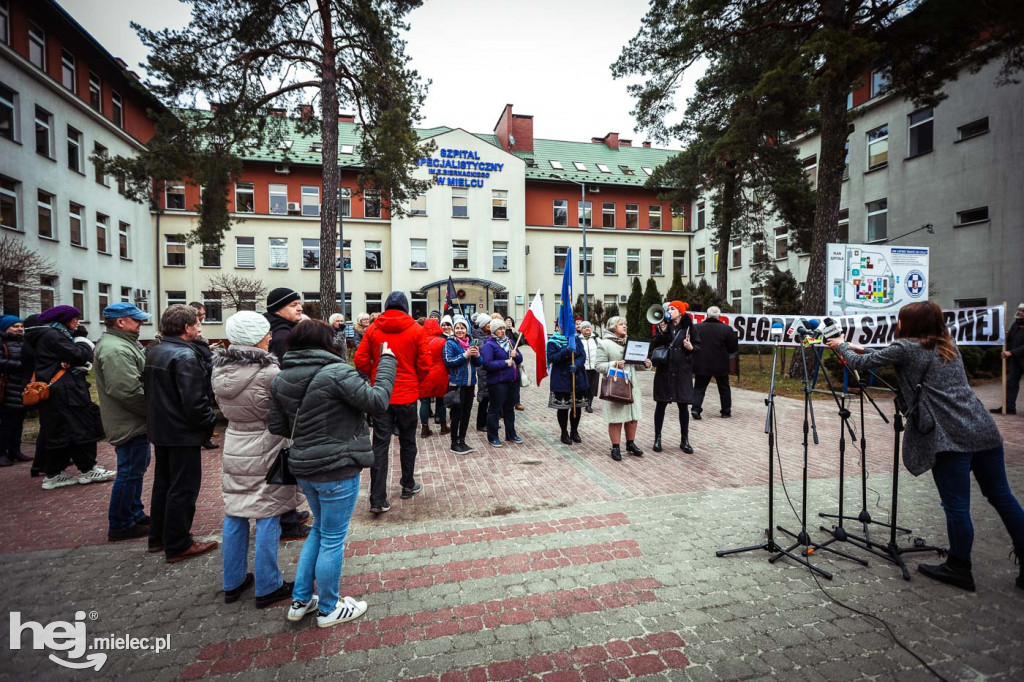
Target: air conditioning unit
282, 169
623, 298
293, 207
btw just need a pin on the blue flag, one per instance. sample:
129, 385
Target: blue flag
566, 320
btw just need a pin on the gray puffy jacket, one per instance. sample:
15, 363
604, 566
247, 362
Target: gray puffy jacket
331, 434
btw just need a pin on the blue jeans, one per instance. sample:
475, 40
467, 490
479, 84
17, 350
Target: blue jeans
952, 474
235, 553
126, 494
320, 561
439, 410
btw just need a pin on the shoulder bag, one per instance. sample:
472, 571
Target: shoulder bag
616, 389
280, 473
919, 412
36, 392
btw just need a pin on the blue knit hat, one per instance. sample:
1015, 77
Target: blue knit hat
7, 320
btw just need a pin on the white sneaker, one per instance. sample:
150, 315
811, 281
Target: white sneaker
299, 610
96, 475
346, 610
59, 481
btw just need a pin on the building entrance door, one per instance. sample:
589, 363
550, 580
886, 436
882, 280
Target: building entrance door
470, 310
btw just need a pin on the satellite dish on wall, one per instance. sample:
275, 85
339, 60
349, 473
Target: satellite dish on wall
511, 139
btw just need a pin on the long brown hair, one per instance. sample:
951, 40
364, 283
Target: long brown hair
924, 320
312, 334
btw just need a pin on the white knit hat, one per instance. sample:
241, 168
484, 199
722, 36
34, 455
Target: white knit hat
447, 319
482, 320
246, 328
459, 319
497, 324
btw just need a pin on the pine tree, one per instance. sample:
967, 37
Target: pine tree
651, 297
781, 293
634, 308
677, 292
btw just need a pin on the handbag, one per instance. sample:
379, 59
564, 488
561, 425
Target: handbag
280, 473
524, 380
453, 398
616, 390
659, 356
36, 392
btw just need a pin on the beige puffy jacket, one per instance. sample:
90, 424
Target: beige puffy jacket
241, 382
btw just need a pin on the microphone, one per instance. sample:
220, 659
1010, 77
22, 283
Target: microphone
776, 331
831, 329
805, 328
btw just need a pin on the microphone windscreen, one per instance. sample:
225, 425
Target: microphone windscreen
812, 324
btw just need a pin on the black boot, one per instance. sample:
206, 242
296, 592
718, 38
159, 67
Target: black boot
616, 453
1016, 554
684, 444
590, 405
632, 449
565, 438
575, 437
954, 571
657, 442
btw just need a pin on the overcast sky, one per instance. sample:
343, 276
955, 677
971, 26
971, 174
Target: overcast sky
549, 58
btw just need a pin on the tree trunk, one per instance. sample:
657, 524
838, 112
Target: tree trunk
330, 177
728, 212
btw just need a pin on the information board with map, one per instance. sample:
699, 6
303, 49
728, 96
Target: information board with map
874, 278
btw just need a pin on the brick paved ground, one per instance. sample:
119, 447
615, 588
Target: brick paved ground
544, 561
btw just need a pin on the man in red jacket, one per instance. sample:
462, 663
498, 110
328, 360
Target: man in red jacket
412, 350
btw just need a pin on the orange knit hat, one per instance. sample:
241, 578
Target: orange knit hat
680, 306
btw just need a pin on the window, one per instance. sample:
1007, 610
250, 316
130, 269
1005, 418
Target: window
626, 170
116, 110
75, 160
373, 258
735, 300
78, 295
460, 202
8, 113
103, 297
608, 214
879, 82
844, 226
656, 263
418, 304
632, 216
877, 217
757, 300
972, 129
75, 224
810, 166
557, 165
654, 217
210, 255
561, 254
735, 254
102, 227
499, 302
647, 169
47, 292
611, 303
316, 147
499, 204
5, 23
278, 248
214, 307
632, 261
345, 203
310, 254
561, 213
37, 46
846, 159
921, 126
418, 205
714, 267
587, 261
245, 252
584, 213
701, 215
126, 294
972, 216
95, 92
346, 149
9, 203
278, 199
759, 254
123, 243
174, 250
310, 200
176, 298
700, 261
781, 242
611, 257
101, 178
371, 203
499, 256
878, 147
679, 263
68, 72
418, 254
245, 200
460, 254
44, 132
373, 302
44, 204
603, 168
970, 302
580, 166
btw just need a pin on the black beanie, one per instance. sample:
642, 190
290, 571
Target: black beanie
397, 301
280, 297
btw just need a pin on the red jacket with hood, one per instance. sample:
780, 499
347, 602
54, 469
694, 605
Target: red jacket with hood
436, 384
411, 347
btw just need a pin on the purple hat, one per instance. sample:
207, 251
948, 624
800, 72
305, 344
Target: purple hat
60, 313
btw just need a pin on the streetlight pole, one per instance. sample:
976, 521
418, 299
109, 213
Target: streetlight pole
583, 225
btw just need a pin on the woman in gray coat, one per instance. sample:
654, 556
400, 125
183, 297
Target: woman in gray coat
609, 353
948, 431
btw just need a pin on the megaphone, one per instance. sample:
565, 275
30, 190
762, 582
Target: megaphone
656, 314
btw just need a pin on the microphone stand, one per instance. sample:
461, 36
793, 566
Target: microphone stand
771, 428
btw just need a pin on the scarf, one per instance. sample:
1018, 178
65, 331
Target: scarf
558, 338
615, 338
504, 344
59, 326
464, 341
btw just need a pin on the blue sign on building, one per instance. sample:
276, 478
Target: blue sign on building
460, 168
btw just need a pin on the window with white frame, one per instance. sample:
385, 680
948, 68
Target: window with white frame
611, 258
245, 252
781, 242
759, 254
701, 215
735, 299
245, 197
632, 262
561, 255
343, 255
126, 295
8, 113
460, 254
846, 159
68, 71
810, 166
345, 203
278, 250
76, 161
418, 304
499, 302
176, 297
346, 149
102, 230
611, 303
372, 256
371, 203
878, 213
584, 213
626, 170
418, 254
586, 257
735, 253
44, 132
647, 169
418, 205
657, 266
214, 304
632, 216
560, 213
580, 166
116, 110
44, 209
101, 177
701, 259
102, 297
78, 287
879, 82
972, 129
843, 237
714, 261
654, 217
311, 200
5, 23
499, 256
460, 202
174, 196
499, 204
878, 147
972, 216
47, 291
209, 255
75, 221
310, 254
757, 300
557, 165
37, 46
278, 199
608, 214
679, 262
603, 168
95, 92
124, 246
921, 132
374, 303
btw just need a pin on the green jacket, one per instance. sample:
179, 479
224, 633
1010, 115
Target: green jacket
118, 363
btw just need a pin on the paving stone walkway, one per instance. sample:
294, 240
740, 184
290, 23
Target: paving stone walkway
547, 562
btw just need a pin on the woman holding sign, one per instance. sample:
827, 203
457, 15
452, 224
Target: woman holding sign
672, 355
608, 356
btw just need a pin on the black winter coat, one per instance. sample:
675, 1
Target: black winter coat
717, 341
69, 417
12, 369
280, 329
1015, 340
673, 382
178, 405
562, 368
